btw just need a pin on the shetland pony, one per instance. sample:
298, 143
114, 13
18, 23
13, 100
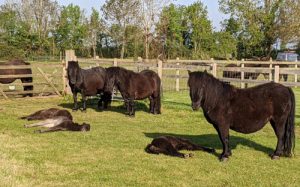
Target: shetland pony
88, 82
25, 71
135, 86
55, 120
47, 114
170, 145
245, 110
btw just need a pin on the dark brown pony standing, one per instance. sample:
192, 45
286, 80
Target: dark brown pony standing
135, 86
88, 82
25, 71
245, 110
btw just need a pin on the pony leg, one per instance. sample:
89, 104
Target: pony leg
279, 131
41, 123
131, 108
151, 105
224, 137
75, 101
173, 152
27, 88
194, 147
157, 105
83, 102
52, 129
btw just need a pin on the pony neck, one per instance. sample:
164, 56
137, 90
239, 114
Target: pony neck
213, 92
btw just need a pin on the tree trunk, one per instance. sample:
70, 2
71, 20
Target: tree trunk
94, 51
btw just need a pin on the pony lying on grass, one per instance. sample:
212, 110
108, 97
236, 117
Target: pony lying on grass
55, 120
245, 110
47, 114
170, 145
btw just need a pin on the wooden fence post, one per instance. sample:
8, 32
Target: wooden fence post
214, 67
159, 68
242, 74
296, 76
276, 74
115, 62
70, 56
271, 66
177, 75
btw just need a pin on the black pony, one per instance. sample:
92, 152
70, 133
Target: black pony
245, 110
135, 86
88, 82
170, 145
25, 71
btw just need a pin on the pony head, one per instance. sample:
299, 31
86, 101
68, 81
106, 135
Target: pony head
196, 86
73, 72
111, 79
85, 127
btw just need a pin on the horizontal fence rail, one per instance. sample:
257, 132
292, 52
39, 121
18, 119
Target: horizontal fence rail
51, 77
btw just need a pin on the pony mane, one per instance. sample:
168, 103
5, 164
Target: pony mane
214, 89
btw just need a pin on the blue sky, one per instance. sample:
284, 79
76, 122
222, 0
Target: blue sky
212, 6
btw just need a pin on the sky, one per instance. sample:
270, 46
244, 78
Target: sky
212, 6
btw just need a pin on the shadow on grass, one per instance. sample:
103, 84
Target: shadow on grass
93, 104
213, 141
176, 104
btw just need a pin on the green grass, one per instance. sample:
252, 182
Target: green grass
112, 153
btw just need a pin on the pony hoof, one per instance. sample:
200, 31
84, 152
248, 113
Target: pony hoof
212, 151
84, 110
275, 157
74, 109
191, 155
224, 159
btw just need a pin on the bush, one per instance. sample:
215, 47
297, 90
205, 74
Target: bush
11, 52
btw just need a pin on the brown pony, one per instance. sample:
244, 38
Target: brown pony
25, 71
55, 120
135, 86
47, 114
245, 110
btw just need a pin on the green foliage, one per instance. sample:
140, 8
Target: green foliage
11, 52
72, 28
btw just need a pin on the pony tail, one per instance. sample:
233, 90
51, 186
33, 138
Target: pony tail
289, 135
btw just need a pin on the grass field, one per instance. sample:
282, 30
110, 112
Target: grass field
112, 153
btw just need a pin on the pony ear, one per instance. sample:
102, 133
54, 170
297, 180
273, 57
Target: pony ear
205, 71
189, 72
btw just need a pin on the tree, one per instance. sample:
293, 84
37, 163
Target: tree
199, 30
95, 27
171, 31
149, 11
262, 23
120, 13
71, 30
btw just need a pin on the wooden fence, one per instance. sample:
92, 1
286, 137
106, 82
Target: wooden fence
50, 78
174, 73
47, 80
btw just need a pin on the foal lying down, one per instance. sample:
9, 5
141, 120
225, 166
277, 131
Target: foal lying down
47, 114
55, 120
170, 145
